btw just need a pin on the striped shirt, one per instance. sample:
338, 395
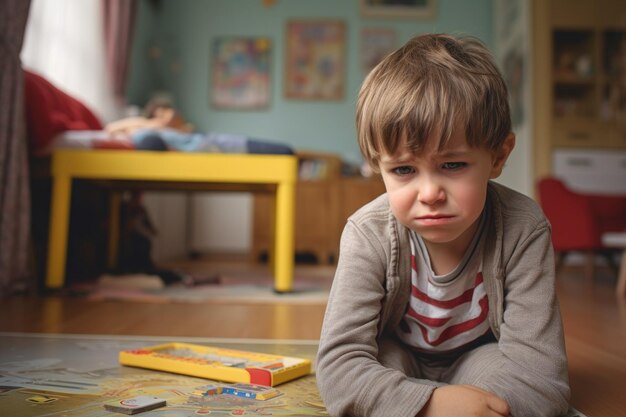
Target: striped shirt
446, 312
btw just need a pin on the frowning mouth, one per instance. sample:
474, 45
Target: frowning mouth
434, 216
434, 219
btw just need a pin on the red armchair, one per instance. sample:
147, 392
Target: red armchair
578, 220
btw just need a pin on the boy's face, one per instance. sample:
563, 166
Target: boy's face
441, 194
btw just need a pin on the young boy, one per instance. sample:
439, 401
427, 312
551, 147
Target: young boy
443, 303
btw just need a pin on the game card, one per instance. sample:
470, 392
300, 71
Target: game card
135, 405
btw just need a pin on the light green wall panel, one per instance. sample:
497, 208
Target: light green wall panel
183, 31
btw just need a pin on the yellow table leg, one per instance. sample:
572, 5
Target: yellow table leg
59, 226
284, 237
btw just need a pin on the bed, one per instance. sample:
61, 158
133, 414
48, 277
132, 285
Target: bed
50, 112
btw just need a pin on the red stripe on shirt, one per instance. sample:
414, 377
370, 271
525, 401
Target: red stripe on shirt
447, 304
429, 321
459, 328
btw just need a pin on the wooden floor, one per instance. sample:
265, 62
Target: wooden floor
594, 320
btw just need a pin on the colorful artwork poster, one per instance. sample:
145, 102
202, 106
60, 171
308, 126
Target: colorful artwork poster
376, 44
241, 73
316, 56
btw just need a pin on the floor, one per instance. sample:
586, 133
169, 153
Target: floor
594, 320
76, 375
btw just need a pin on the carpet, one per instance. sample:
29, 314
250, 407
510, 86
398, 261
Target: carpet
310, 286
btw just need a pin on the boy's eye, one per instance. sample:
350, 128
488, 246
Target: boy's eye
453, 165
405, 170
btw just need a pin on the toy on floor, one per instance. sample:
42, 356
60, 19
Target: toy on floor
218, 363
135, 405
249, 391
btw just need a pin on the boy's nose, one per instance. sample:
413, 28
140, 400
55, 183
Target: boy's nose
430, 192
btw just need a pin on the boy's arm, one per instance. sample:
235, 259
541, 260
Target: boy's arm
350, 377
530, 372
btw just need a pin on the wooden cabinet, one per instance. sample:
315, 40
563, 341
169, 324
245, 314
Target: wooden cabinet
579, 77
589, 89
354, 193
324, 200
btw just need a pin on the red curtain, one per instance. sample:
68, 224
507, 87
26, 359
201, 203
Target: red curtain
119, 23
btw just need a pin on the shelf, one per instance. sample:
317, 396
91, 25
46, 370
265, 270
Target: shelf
574, 79
589, 83
579, 78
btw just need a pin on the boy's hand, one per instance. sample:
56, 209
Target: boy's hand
465, 401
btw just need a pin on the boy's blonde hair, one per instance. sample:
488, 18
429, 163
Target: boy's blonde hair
432, 85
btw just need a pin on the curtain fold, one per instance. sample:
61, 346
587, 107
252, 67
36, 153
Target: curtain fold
119, 24
14, 179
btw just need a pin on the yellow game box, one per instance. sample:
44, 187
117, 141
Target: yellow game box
220, 364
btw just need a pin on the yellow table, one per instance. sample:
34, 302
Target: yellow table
174, 167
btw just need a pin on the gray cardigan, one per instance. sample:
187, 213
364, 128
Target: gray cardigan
371, 290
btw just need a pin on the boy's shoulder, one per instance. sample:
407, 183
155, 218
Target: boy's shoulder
373, 218
377, 208
513, 205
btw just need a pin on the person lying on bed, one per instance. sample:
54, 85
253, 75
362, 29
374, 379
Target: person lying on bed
158, 114
162, 128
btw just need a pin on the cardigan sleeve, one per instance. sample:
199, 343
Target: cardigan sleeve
529, 369
351, 379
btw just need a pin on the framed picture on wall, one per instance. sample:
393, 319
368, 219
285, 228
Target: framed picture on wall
409, 9
241, 73
315, 59
376, 43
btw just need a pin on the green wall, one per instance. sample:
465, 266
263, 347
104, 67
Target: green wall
183, 31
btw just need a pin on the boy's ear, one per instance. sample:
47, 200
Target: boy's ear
502, 155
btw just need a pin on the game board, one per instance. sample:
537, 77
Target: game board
74, 376
71, 376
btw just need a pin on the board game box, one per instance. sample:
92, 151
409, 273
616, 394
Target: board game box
218, 363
